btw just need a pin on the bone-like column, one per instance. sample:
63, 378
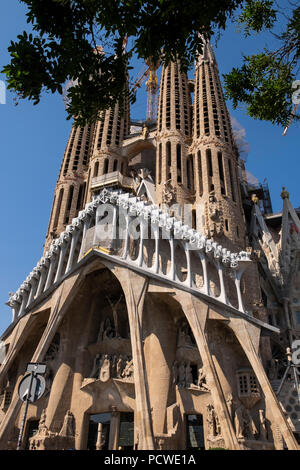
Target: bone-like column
61, 259
248, 337
196, 313
135, 287
75, 236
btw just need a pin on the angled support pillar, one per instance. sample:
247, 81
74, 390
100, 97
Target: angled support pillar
61, 301
196, 313
135, 287
248, 336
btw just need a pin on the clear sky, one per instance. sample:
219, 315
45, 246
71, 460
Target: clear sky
33, 140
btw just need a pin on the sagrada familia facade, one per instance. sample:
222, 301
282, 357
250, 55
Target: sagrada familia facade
167, 293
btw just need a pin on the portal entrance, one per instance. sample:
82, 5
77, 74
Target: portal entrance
111, 431
195, 432
99, 429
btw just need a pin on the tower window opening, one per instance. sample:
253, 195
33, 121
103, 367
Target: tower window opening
178, 154
190, 172
105, 170
69, 204
221, 172
80, 196
226, 225
60, 197
115, 167
96, 169
194, 219
168, 150
209, 170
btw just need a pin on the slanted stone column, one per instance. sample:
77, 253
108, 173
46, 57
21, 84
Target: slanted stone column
114, 430
248, 336
196, 312
135, 287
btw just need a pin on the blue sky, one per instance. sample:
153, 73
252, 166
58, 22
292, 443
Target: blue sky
33, 140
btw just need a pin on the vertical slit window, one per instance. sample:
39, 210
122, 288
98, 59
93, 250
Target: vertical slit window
194, 219
209, 170
221, 172
96, 169
209, 163
80, 196
178, 155
168, 150
105, 170
61, 193
115, 167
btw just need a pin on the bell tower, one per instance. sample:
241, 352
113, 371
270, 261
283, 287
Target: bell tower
217, 189
174, 130
70, 189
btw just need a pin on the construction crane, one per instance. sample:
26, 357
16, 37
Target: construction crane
149, 72
152, 89
290, 120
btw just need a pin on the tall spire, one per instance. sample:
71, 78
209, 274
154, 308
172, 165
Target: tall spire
110, 131
173, 135
70, 187
217, 191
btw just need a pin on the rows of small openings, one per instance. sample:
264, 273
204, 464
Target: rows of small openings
168, 98
186, 105
110, 127
118, 128
126, 129
58, 208
161, 99
87, 147
66, 167
177, 97
69, 204
210, 172
78, 149
101, 126
222, 107
205, 104
221, 173
214, 104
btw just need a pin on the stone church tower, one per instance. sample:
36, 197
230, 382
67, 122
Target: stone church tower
158, 326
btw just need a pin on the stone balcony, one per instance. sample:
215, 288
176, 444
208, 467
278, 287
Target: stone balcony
112, 179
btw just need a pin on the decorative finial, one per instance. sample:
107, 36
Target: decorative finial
255, 199
284, 193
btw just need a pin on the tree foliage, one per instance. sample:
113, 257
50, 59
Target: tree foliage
63, 46
264, 82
